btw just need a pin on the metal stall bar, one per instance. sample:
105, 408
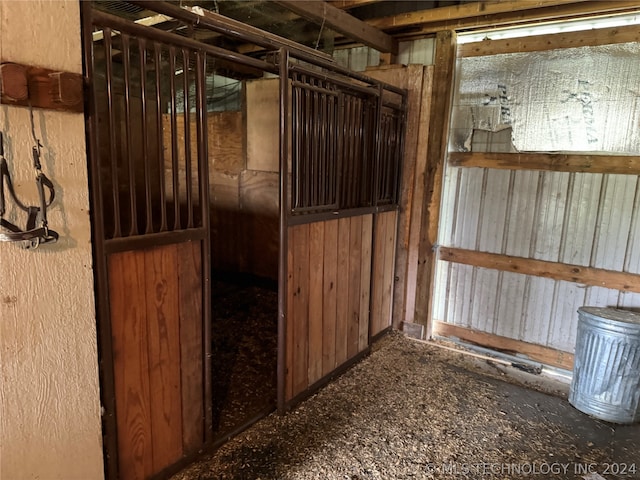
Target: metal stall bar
203, 178
108, 48
163, 200
285, 129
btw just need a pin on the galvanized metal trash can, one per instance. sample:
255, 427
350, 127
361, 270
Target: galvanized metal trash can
606, 370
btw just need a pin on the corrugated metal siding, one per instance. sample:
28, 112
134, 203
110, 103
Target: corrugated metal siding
416, 52
576, 218
412, 52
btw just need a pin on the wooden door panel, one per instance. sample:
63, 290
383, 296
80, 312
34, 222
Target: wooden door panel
156, 316
329, 265
383, 271
131, 364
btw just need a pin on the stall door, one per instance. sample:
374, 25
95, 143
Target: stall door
340, 225
150, 206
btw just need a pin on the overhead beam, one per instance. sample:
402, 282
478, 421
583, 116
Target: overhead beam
347, 4
462, 11
325, 14
554, 162
230, 27
537, 15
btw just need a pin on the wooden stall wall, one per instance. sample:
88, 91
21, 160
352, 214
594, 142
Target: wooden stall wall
528, 238
328, 297
417, 79
384, 264
156, 311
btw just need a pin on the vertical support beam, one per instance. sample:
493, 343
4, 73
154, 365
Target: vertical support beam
203, 177
105, 347
283, 56
444, 66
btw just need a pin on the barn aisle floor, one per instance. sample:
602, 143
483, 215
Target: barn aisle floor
414, 411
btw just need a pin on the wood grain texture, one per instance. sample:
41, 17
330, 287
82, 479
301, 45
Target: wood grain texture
316, 279
329, 299
127, 299
355, 263
41, 88
163, 329
189, 258
299, 288
598, 277
377, 288
263, 137
555, 162
389, 246
593, 37
365, 281
290, 318
342, 299
411, 78
418, 199
350, 26
546, 355
463, 11
436, 151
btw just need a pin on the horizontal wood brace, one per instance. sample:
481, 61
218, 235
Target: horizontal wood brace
538, 353
537, 43
555, 162
596, 277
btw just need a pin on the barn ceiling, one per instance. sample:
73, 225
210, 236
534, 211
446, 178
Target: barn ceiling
324, 25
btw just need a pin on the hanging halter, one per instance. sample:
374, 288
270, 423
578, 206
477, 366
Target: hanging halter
36, 231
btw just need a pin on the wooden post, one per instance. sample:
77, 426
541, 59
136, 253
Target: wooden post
444, 64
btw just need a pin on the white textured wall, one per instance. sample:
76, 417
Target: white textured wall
49, 389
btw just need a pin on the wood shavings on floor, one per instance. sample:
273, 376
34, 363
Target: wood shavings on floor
414, 411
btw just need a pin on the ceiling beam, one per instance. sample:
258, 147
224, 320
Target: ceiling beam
323, 13
539, 15
347, 4
462, 11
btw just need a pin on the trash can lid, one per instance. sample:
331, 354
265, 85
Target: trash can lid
608, 313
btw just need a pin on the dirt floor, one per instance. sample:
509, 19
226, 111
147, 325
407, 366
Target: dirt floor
244, 349
415, 411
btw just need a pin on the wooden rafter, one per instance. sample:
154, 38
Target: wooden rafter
326, 14
347, 4
463, 11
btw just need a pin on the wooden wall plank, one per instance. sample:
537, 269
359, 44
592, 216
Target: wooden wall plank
342, 299
299, 288
445, 57
355, 262
365, 281
263, 136
418, 199
316, 277
593, 37
164, 354
546, 355
390, 233
191, 346
411, 78
290, 319
127, 299
329, 298
379, 227
557, 162
598, 277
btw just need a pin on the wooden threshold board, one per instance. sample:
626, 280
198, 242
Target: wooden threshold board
539, 353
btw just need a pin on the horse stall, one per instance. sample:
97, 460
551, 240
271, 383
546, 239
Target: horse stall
245, 212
